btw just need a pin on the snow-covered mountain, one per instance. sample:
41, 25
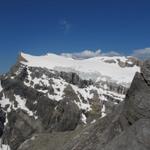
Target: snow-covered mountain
119, 69
54, 92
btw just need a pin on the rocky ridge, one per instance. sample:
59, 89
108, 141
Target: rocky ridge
126, 128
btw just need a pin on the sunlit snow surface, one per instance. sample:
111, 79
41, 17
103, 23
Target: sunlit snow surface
91, 68
1, 87
4, 147
22, 104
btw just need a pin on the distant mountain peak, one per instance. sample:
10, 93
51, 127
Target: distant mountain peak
21, 57
117, 68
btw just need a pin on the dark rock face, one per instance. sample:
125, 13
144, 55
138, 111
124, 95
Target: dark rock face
65, 117
73, 78
136, 137
2, 121
130, 62
137, 103
20, 127
98, 135
145, 70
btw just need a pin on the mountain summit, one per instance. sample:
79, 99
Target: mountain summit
118, 68
53, 93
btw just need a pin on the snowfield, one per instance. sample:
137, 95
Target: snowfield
93, 68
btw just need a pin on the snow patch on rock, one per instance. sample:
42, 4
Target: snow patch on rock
4, 101
1, 87
5, 147
22, 105
103, 111
83, 118
58, 85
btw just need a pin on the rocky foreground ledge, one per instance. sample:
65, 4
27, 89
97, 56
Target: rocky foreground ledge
127, 128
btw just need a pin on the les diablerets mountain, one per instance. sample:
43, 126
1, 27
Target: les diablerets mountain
51, 99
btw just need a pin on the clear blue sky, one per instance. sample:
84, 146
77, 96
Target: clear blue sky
41, 26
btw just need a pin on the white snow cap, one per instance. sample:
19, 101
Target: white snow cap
91, 68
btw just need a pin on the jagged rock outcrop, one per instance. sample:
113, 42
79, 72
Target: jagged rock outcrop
146, 71
2, 121
137, 104
130, 62
65, 117
136, 137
